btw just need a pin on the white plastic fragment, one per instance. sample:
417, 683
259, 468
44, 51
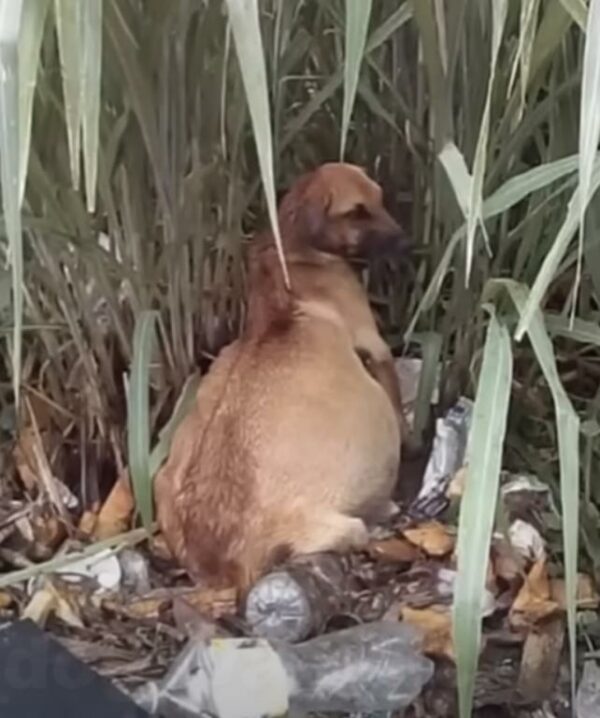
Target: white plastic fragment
526, 540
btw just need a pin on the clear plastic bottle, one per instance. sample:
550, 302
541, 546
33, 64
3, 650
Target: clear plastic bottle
297, 601
368, 668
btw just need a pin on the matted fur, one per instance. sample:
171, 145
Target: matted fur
291, 443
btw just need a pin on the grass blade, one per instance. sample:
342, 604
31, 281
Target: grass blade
479, 504
243, 16
69, 26
10, 165
589, 123
90, 109
184, 403
454, 163
138, 415
358, 13
30, 41
474, 217
567, 424
554, 256
578, 10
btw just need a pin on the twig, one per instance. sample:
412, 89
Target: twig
129, 538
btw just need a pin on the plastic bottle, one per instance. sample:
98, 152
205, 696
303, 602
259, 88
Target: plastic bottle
294, 603
367, 668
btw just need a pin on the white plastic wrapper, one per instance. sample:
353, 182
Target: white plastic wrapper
448, 455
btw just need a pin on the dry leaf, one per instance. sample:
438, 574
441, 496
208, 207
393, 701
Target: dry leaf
456, 487
540, 661
587, 595
213, 603
49, 601
6, 600
533, 602
87, 522
508, 563
393, 550
115, 514
23, 454
432, 537
436, 625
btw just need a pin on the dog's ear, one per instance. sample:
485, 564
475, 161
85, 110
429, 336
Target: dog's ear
303, 211
313, 213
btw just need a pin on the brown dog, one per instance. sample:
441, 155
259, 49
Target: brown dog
292, 443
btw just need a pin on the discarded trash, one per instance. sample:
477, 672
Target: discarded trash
297, 602
588, 693
526, 540
447, 457
103, 567
366, 668
136, 577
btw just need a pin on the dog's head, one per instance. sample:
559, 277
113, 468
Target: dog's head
338, 209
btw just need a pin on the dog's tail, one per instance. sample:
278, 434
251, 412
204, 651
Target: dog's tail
270, 307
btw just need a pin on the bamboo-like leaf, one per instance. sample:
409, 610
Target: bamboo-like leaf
69, 29
589, 122
522, 60
474, 217
456, 168
10, 166
358, 13
567, 424
478, 504
138, 415
90, 110
555, 255
30, 41
578, 10
508, 195
243, 16
182, 406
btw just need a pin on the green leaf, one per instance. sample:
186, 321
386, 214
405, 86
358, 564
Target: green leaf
474, 216
69, 29
579, 330
30, 41
10, 166
454, 163
567, 424
90, 109
243, 16
183, 405
589, 123
358, 13
478, 505
138, 415
578, 10
554, 256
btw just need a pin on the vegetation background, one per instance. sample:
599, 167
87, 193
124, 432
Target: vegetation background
130, 176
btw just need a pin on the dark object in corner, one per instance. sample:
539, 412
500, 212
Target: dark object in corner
41, 679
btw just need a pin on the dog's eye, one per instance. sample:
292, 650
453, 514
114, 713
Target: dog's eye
359, 211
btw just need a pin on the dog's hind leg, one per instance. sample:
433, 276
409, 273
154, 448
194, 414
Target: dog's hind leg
329, 532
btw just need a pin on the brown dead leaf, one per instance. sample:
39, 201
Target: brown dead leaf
540, 661
393, 550
6, 600
533, 602
213, 603
587, 595
149, 607
436, 624
23, 454
456, 486
509, 565
432, 537
115, 514
87, 522
48, 601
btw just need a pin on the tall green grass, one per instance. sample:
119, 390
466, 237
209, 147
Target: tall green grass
479, 118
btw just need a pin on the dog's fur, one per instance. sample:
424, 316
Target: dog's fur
292, 442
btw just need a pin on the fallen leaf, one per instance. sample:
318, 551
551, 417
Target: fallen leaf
139, 608
587, 595
533, 602
456, 486
436, 625
541, 658
23, 455
527, 540
87, 523
115, 514
432, 537
509, 565
393, 550
48, 601
213, 603
6, 600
